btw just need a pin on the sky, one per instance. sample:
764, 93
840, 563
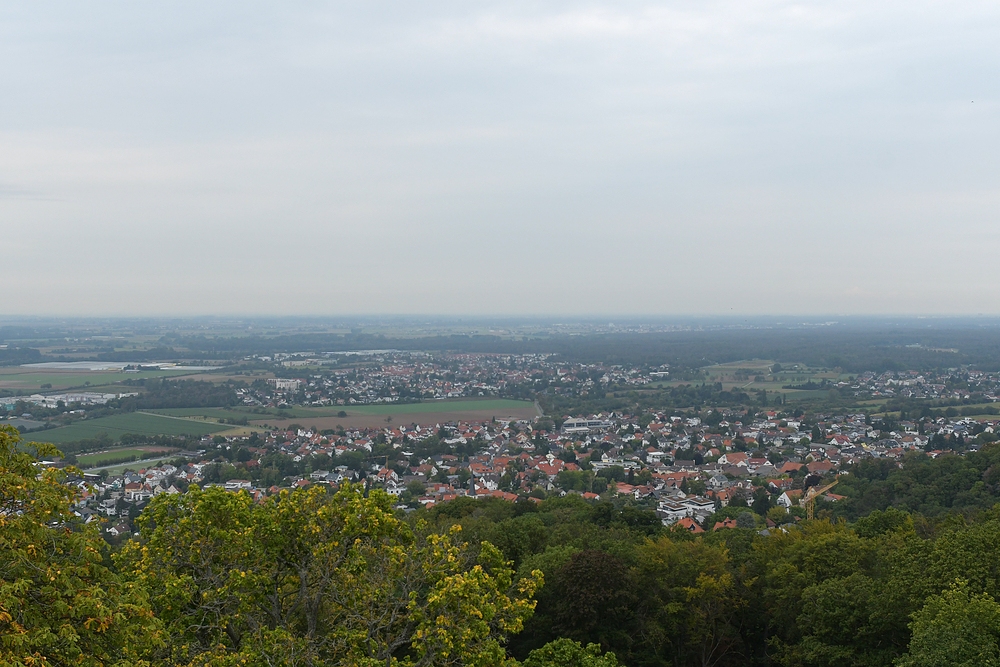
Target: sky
500, 158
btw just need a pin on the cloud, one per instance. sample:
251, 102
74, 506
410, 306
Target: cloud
655, 158
9, 191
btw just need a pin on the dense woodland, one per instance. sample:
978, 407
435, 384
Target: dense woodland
166, 393
687, 396
854, 345
932, 488
322, 577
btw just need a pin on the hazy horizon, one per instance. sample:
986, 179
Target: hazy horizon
588, 160
590, 321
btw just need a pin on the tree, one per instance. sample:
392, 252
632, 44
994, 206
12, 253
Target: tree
575, 480
59, 604
613, 473
957, 628
568, 653
778, 515
827, 597
690, 601
588, 598
761, 502
326, 577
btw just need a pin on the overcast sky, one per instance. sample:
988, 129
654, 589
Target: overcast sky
661, 158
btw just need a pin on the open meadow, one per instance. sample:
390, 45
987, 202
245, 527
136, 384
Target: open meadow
112, 455
115, 426
147, 461
30, 380
369, 416
755, 374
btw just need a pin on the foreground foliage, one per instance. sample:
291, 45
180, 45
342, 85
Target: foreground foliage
312, 577
59, 603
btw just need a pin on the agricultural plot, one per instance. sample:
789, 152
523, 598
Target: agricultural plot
222, 376
742, 372
431, 412
118, 468
790, 381
140, 423
757, 374
89, 460
31, 380
213, 414
497, 405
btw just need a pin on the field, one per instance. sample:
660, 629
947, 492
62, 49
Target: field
221, 376
30, 380
425, 414
205, 414
118, 468
89, 460
743, 375
140, 423
362, 416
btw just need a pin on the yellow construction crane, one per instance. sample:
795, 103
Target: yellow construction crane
809, 500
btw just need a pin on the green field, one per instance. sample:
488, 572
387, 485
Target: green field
30, 380
457, 405
151, 461
88, 460
210, 413
741, 376
115, 426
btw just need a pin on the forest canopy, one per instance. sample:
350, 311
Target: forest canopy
317, 576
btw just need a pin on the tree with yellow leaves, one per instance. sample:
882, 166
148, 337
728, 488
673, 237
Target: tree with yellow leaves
312, 577
59, 604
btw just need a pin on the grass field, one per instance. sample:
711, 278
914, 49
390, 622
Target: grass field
220, 376
741, 376
119, 468
499, 405
30, 380
429, 413
140, 423
206, 413
88, 460
790, 373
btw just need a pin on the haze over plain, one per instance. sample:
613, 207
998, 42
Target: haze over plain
522, 158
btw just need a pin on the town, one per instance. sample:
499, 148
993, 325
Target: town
599, 431
686, 468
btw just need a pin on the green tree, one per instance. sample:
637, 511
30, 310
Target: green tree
589, 597
956, 628
690, 602
568, 653
324, 577
575, 480
614, 473
828, 599
59, 603
761, 502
